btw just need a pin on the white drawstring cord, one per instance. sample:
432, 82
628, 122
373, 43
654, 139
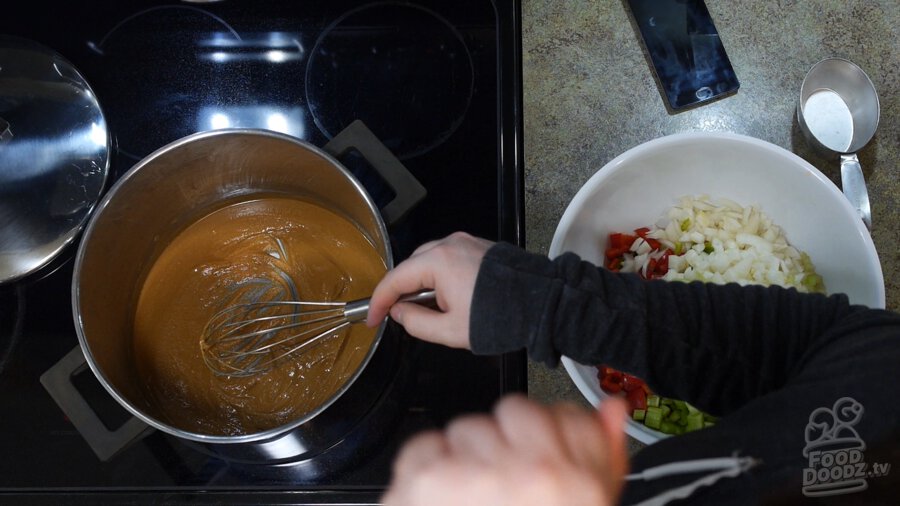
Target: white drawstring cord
727, 467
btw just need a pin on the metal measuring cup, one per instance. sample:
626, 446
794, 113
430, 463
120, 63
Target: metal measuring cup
838, 112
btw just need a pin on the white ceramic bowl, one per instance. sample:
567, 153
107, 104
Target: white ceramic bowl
636, 188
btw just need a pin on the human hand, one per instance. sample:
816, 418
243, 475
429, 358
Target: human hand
523, 454
449, 266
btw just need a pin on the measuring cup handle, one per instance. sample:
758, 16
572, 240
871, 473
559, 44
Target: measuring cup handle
854, 186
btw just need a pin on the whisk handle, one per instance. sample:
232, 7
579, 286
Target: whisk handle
358, 310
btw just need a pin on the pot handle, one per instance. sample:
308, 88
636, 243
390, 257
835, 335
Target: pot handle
106, 443
407, 189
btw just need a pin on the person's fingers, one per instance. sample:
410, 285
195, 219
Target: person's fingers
431, 325
424, 448
426, 246
612, 415
527, 426
418, 320
526, 453
456, 238
410, 276
476, 436
582, 433
449, 266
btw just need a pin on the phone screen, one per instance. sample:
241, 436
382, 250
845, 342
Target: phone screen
687, 54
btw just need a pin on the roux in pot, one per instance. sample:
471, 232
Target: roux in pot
220, 259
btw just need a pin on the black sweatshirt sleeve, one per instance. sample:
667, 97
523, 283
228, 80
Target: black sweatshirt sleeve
717, 346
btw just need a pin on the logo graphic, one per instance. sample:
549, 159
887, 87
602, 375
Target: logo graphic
835, 451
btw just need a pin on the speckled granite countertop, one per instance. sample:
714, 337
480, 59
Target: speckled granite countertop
589, 95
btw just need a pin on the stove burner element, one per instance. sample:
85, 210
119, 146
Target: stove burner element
404, 70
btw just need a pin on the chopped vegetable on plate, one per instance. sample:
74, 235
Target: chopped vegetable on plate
700, 240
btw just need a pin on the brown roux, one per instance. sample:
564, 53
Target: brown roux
326, 256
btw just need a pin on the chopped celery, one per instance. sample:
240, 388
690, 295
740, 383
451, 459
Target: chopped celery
667, 427
671, 416
813, 282
708, 247
679, 248
694, 422
685, 224
653, 417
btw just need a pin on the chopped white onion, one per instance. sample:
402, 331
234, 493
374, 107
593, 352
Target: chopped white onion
747, 248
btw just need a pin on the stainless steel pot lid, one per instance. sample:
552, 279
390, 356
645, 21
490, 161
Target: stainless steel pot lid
54, 155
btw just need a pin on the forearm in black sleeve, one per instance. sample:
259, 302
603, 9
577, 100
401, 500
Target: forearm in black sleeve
716, 345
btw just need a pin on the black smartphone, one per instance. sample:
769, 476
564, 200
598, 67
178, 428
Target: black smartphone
688, 57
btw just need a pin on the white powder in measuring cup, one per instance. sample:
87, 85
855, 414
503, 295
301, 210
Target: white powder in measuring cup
829, 120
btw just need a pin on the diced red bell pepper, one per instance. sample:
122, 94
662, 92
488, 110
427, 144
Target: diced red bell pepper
610, 385
637, 399
612, 253
651, 268
619, 240
619, 244
613, 381
615, 375
642, 233
662, 266
630, 382
610, 380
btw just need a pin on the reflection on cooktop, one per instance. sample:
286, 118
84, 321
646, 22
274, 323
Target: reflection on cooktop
154, 61
402, 69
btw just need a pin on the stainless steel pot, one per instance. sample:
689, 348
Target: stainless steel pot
169, 189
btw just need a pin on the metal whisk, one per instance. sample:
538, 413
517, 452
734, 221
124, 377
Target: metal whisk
248, 339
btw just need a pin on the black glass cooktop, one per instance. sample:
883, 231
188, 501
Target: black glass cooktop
438, 82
